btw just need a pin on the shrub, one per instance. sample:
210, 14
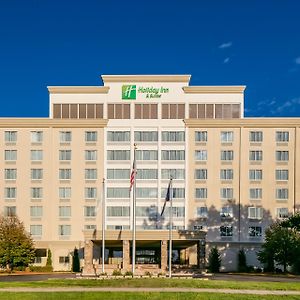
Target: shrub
41, 268
214, 260
128, 273
117, 273
75, 261
147, 273
242, 262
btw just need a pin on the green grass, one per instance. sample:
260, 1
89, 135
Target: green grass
138, 296
158, 282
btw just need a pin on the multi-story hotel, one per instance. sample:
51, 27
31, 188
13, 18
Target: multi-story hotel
232, 176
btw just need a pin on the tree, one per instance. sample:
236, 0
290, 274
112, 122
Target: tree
16, 245
214, 260
49, 259
75, 261
292, 222
242, 261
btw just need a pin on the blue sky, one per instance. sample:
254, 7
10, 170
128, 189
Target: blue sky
70, 42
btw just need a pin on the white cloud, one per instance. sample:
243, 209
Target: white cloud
297, 60
287, 106
225, 45
226, 60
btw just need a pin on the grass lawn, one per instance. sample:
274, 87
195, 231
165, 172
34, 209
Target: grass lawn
158, 282
138, 296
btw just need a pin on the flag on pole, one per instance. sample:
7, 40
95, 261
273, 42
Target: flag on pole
167, 198
132, 176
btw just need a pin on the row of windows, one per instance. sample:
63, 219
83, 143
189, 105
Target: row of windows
254, 136
253, 231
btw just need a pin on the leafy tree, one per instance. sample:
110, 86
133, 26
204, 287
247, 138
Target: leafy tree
49, 258
292, 222
16, 245
242, 261
214, 260
75, 261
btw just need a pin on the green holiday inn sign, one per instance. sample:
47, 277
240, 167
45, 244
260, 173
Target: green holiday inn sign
129, 92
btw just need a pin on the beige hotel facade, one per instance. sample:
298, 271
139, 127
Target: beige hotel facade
232, 176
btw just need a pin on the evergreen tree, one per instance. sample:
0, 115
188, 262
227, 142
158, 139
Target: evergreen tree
75, 261
214, 260
242, 261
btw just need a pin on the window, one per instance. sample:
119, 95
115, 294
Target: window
64, 173
91, 136
118, 136
282, 194
146, 155
145, 111
146, 192
255, 136
145, 211
255, 213
36, 193
174, 173
90, 155
226, 174
90, 193
173, 111
201, 193
10, 136
226, 231
10, 154
201, 212
36, 174
255, 174
226, 136
64, 230
10, 211
65, 136
75, 111
173, 136
227, 111
177, 192
65, 154
90, 227
118, 174
64, 259
36, 136
255, 193
90, 173
200, 136
117, 211
226, 212
118, 111
201, 111
282, 155
36, 211
64, 192
226, 193
118, 192
201, 155
90, 211
178, 212
118, 154
255, 231
282, 174
10, 192
36, 230
146, 174
145, 136
282, 136
10, 174
255, 155
201, 174
226, 155
36, 155
282, 212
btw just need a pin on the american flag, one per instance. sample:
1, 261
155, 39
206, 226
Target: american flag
132, 176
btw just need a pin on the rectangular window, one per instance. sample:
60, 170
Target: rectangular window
255, 231
64, 259
226, 174
118, 136
10, 211
145, 111
118, 154
172, 154
177, 193
200, 136
146, 155
64, 192
64, 173
90, 227
255, 136
201, 212
173, 136
36, 211
36, 136
64, 211
90, 155
91, 174
90, 211
282, 155
226, 231
146, 192
226, 155
91, 136
10, 193
36, 193
255, 155
255, 213
36, 155
255, 174
173, 111
10, 154
118, 111
226, 136
64, 230
226, 212
36, 230
90, 193
201, 155
65, 154
117, 211
282, 194
118, 174
146, 136
201, 193
255, 193
65, 136
282, 212
282, 174
10, 136
226, 193
10, 174
118, 192
282, 136
147, 174
201, 174
178, 212
174, 173
36, 174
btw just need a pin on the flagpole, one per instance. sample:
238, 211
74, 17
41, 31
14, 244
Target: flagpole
103, 224
170, 228
133, 213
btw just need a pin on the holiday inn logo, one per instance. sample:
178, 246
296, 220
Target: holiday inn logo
129, 92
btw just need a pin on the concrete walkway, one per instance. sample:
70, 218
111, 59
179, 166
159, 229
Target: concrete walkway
147, 290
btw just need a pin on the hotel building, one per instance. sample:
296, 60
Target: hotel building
232, 176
